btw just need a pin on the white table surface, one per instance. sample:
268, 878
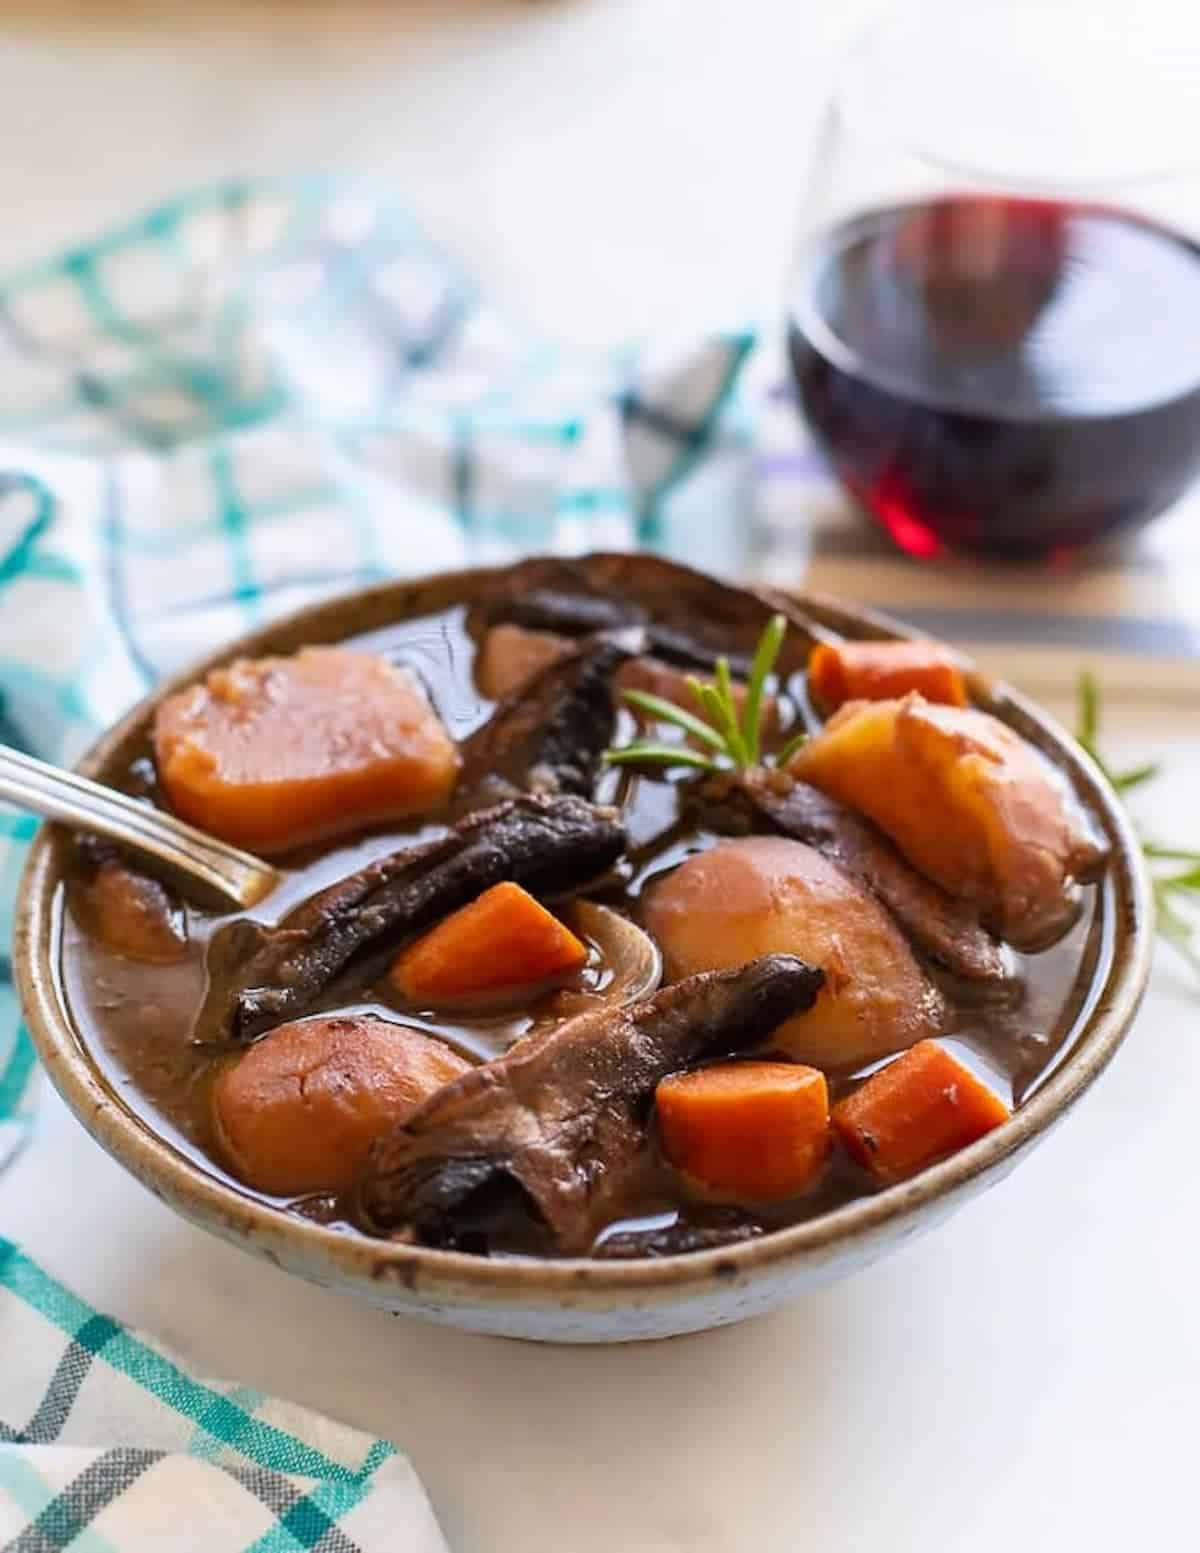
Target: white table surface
614, 166
1030, 1372
1028, 1375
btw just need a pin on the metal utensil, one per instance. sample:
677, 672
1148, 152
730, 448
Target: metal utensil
74, 800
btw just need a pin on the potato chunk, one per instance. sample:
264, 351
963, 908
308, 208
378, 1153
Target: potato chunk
129, 913
298, 1112
511, 656
272, 752
969, 803
764, 894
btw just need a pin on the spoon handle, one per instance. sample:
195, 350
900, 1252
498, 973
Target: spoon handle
56, 794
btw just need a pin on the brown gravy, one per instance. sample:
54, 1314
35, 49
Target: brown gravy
137, 1018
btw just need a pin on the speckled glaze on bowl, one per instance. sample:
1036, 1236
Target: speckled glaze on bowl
576, 1300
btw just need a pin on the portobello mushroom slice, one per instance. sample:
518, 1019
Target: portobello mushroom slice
945, 929
582, 614
511, 657
687, 618
559, 1124
550, 734
260, 975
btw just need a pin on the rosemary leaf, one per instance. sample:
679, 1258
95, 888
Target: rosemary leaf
658, 755
697, 688
797, 741
668, 712
1169, 889
710, 700
765, 655
1169, 854
1188, 880
726, 709
1088, 724
718, 727
1123, 781
1178, 932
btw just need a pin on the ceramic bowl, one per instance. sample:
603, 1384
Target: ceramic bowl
576, 1300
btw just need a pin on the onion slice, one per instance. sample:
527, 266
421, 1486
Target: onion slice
631, 955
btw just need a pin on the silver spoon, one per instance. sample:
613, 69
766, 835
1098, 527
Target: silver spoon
60, 795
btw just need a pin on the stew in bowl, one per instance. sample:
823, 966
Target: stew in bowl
630, 922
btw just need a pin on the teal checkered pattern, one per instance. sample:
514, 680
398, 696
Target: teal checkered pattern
184, 1463
241, 402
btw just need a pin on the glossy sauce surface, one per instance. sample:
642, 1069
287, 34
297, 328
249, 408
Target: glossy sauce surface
137, 1018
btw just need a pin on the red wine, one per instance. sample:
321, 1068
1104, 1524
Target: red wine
1001, 374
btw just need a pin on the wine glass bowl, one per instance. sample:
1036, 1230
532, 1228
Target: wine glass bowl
995, 342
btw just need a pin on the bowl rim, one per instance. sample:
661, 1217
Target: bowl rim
321, 1250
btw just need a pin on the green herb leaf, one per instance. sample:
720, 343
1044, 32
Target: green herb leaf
697, 688
668, 712
1123, 781
765, 655
1179, 933
719, 716
796, 742
1087, 726
726, 708
658, 755
1169, 854
1188, 880
1169, 888
733, 741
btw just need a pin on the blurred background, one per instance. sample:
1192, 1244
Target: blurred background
607, 165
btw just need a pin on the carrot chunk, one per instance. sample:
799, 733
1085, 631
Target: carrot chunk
299, 1111
756, 1131
503, 939
272, 752
918, 1109
876, 671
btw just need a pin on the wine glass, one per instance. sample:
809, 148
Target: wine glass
994, 312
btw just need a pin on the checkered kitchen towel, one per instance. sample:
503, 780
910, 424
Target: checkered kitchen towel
185, 1465
242, 401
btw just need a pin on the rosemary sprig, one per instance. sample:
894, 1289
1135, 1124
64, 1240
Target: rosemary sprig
765, 655
668, 712
1170, 888
1087, 732
729, 740
797, 741
1169, 854
659, 755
